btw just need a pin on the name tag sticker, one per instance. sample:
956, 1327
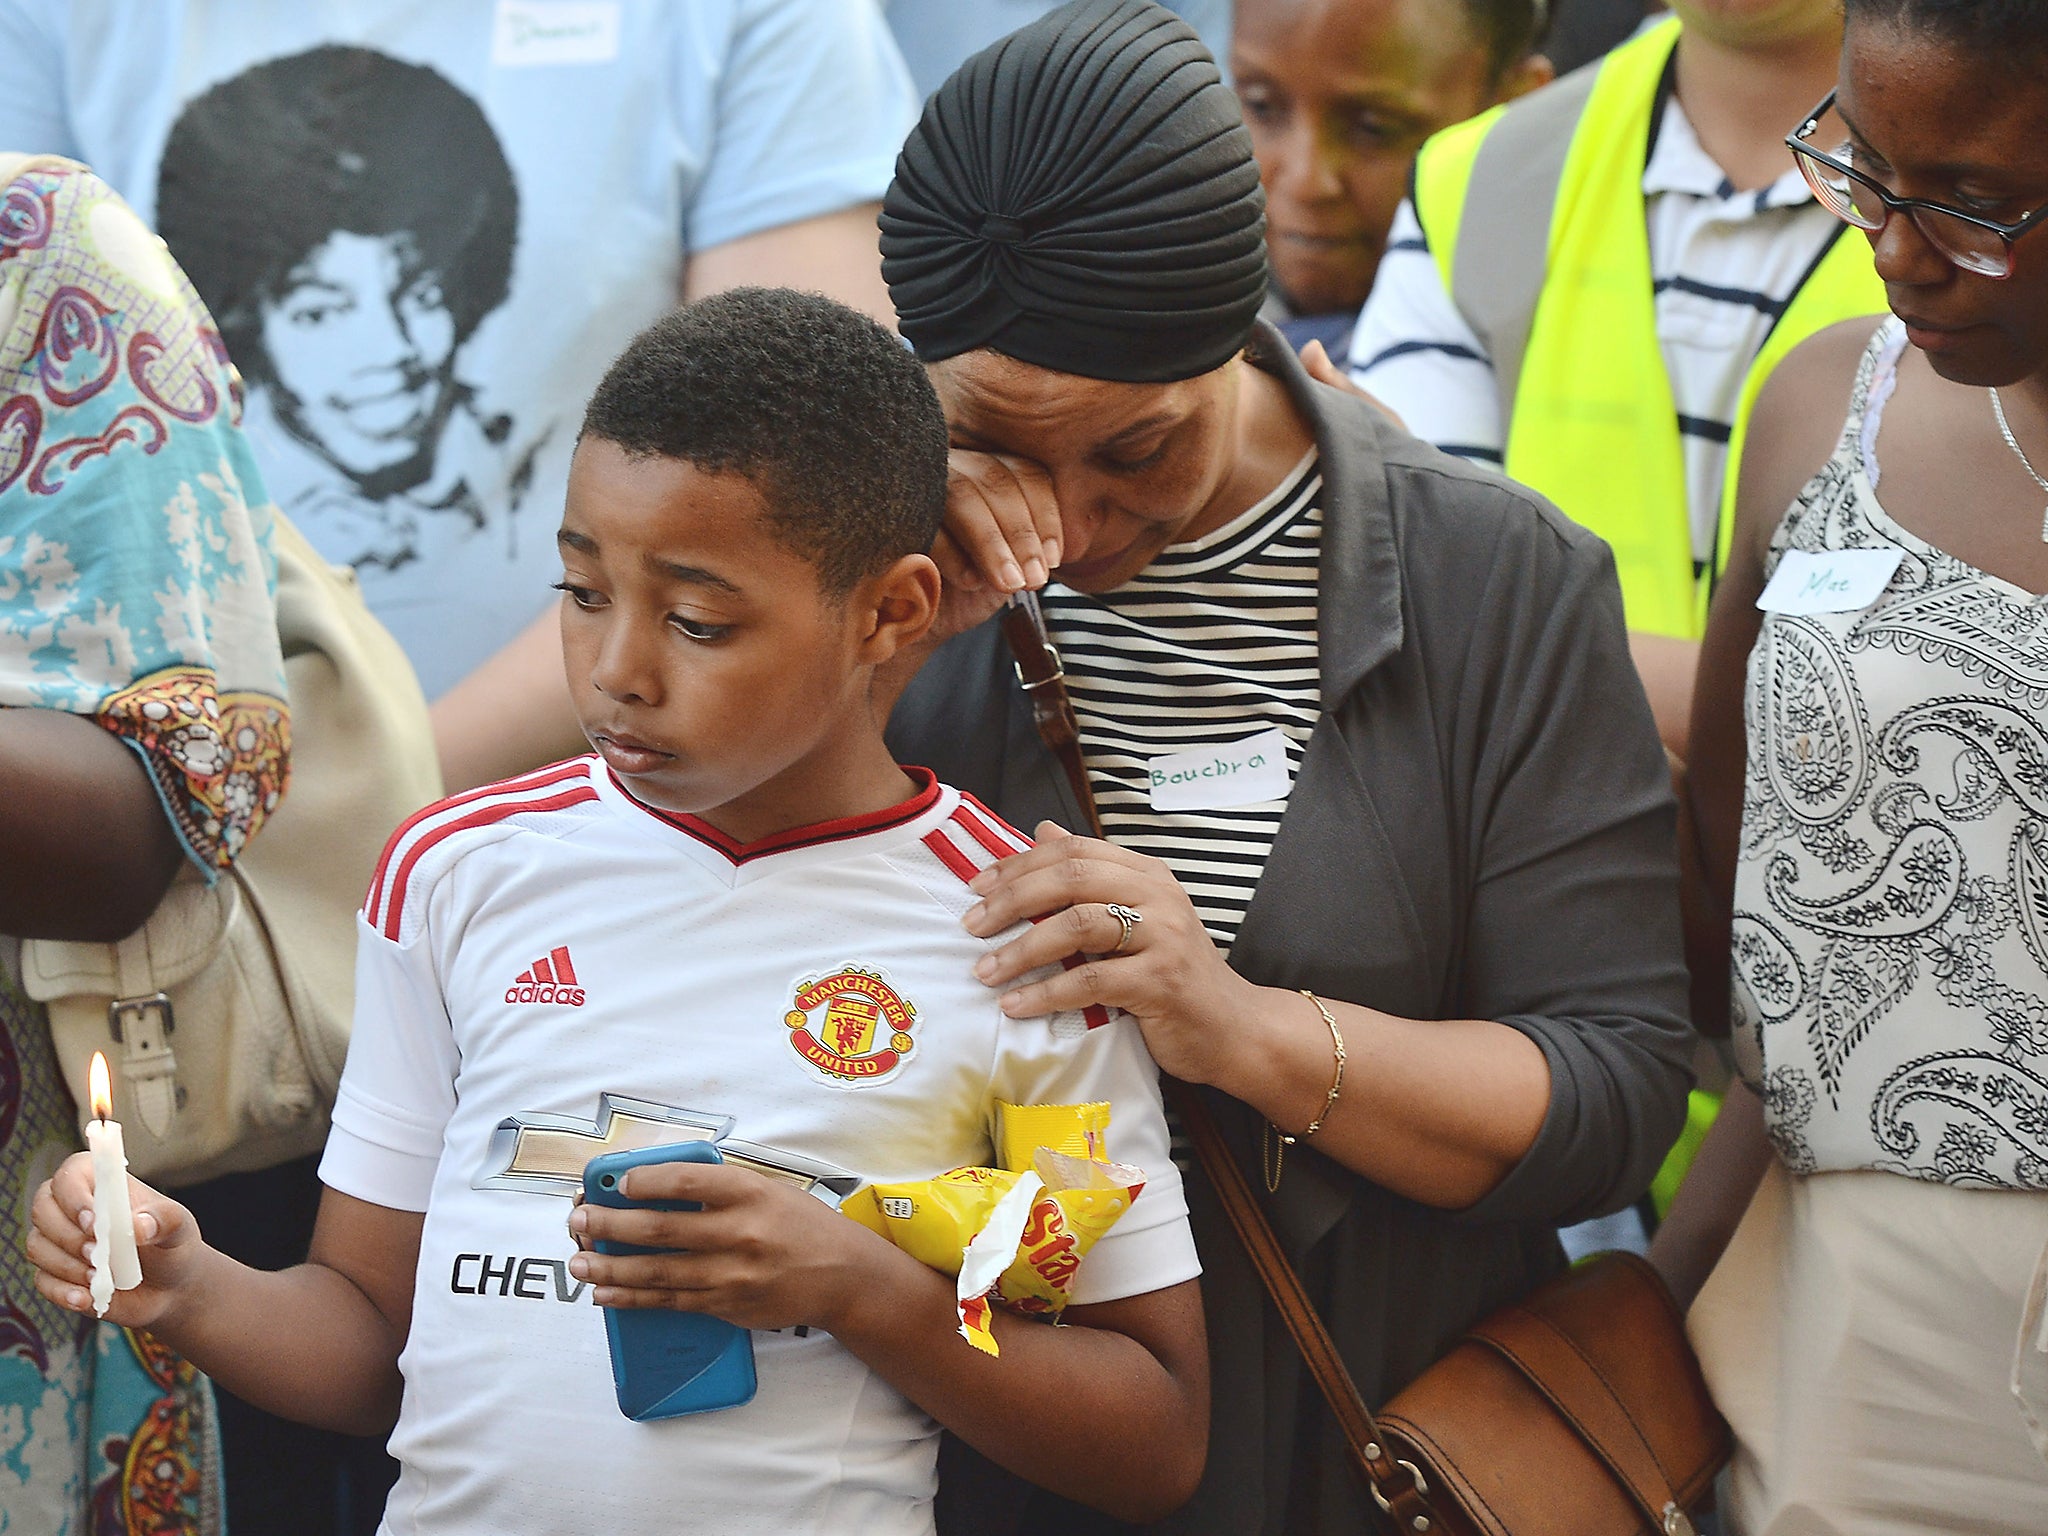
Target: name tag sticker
526, 33
1834, 581
1248, 772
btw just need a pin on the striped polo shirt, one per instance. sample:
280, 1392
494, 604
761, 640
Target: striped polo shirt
1214, 642
1724, 263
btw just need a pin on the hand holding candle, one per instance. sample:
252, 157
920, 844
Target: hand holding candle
115, 1266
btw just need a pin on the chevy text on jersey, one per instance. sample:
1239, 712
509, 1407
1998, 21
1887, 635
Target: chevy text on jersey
550, 969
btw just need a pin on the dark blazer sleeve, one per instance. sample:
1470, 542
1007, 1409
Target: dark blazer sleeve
1572, 929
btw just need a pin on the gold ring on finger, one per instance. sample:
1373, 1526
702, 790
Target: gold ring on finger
1130, 917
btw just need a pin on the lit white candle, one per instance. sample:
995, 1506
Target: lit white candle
115, 1266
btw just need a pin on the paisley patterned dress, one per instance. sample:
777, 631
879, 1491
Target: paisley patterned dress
1890, 990
1891, 899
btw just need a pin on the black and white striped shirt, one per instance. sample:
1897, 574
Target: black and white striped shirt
1724, 264
1211, 644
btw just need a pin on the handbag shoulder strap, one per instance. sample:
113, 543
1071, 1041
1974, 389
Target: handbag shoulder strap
1044, 680
1396, 1485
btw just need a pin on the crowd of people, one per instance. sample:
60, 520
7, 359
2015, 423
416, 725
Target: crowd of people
1542, 522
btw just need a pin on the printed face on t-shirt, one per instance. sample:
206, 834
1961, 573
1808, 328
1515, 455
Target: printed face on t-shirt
350, 300
361, 346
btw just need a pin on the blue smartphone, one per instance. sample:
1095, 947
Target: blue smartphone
666, 1364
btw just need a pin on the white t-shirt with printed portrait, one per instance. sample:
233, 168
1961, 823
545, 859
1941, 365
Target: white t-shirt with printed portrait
548, 969
427, 226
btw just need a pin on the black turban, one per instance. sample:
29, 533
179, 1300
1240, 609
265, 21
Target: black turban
1082, 196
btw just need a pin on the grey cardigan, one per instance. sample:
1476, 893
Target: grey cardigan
1482, 827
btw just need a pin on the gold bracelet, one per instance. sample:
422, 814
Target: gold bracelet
1275, 1142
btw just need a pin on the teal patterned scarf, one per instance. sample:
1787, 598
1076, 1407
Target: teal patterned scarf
137, 584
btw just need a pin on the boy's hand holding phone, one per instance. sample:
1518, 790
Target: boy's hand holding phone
60, 1245
761, 1254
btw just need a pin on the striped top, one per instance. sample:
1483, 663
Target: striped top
1724, 265
1212, 643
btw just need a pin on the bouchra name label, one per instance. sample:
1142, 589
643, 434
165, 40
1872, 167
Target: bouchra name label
1249, 772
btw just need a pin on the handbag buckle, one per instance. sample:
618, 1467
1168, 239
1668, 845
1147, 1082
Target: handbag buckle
1057, 674
141, 1023
1677, 1522
1420, 1489
143, 1026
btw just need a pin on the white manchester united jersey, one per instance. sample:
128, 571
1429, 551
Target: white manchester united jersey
549, 969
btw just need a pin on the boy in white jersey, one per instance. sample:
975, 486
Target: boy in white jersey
739, 914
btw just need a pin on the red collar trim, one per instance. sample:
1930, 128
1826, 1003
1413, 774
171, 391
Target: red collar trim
811, 836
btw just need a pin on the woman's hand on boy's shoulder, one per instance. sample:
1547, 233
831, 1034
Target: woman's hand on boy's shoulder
761, 1253
1161, 966
61, 1234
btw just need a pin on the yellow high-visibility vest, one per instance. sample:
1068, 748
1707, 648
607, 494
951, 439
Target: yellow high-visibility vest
1585, 394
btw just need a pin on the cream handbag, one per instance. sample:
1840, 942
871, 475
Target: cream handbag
226, 1016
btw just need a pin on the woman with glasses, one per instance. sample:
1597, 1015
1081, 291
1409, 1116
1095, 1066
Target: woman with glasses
1870, 786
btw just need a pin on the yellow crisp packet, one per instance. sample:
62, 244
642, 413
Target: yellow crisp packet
1015, 1236
932, 1220
1080, 1130
1082, 1199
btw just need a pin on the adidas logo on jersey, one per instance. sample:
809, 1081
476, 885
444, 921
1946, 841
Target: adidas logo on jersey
549, 980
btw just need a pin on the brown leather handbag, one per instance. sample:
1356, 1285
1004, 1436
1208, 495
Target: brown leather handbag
1577, 1411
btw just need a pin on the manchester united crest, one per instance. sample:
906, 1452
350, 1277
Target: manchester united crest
852, 1026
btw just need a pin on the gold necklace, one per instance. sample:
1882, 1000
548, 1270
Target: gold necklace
2005, 430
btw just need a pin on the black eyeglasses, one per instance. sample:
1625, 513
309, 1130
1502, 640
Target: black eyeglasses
1974, 244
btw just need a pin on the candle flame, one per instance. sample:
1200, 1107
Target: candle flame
102, 1089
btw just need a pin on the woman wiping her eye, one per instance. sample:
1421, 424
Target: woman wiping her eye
1358, 719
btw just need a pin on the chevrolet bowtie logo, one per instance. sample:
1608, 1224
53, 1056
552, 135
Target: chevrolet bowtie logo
544, 1154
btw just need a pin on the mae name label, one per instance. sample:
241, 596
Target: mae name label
1831, 581
1248, 772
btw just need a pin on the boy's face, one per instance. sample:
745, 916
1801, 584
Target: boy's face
705, 663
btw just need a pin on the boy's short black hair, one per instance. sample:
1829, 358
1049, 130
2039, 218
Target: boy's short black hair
824, 409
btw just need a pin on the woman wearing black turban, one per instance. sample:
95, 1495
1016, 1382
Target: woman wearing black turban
1359, 720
